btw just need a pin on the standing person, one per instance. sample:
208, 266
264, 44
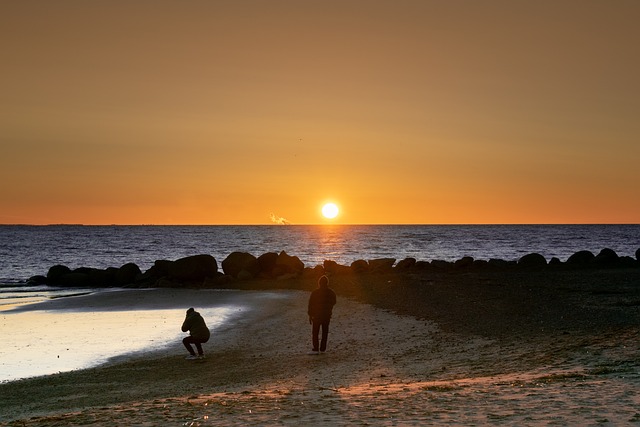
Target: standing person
198, 334
321, 304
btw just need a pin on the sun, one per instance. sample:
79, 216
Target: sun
330, 210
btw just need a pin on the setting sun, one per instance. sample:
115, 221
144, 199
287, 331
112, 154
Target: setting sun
330, 210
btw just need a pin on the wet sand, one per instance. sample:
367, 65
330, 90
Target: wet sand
404, 349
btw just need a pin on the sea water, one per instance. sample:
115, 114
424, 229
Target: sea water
27, 251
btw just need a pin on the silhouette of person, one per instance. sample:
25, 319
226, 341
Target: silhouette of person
321, 304
198, 334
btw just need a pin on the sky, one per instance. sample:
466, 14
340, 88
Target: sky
248, 112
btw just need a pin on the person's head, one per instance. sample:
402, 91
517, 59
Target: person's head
323, 282
191, 310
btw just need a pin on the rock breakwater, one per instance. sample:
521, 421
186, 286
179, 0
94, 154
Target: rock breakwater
203, 271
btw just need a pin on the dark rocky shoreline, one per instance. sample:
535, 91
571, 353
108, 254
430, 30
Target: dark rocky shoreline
202, 271
496, 298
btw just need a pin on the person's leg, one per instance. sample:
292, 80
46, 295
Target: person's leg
315, 330
187, 344
325, 335
199, 347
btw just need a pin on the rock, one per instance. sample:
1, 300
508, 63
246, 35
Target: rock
533, 260
329, 266
37, 280
555, 261
332, 267
238, 261
244, 275
360, 266
288, 264
164, 282
438, 264
314, 272
638, 255
267, 262
194, 268
406, 263
381, 264
423, 265
464, 262
110, 275
628, 262
224, 279
127, 274
75, 280
498, 264
55, 273
606, 257
580, 258
100, 278
480, 264
158, 270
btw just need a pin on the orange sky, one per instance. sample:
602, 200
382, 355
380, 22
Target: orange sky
224, 112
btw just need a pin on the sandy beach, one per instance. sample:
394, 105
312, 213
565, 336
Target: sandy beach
404, 349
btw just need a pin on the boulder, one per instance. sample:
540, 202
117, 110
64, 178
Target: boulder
423, 265
158, 270
37, 280
533, 260
360, 266
464, 262
235, 262
438, 264
381, 264
193, 268
332, 267
580, 258
406, 263
638, 254
110, 275
498, 264
127, 274
55, 273
75, 280
100, 278
221, 280
245, 275
606, 257
267, 262
164, 282
83, 270
555, 261
287, 264
314, 272
480, 264
628, 262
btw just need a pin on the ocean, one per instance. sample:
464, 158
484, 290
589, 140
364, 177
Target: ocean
26, 251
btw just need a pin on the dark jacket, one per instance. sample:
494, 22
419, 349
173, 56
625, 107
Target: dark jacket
321, 303
194, 323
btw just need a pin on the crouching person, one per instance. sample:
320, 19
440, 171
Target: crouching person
198, 334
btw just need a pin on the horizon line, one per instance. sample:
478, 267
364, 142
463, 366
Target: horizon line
307, 224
